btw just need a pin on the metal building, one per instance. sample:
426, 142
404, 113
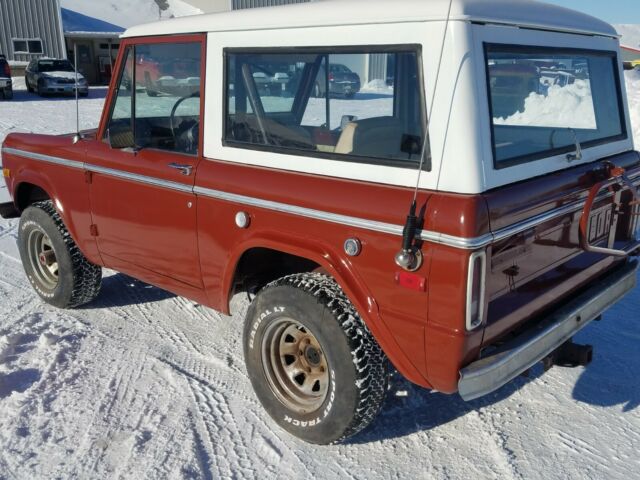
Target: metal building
375, 66
31, 28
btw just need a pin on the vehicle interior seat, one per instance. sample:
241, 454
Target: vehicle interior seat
378, 137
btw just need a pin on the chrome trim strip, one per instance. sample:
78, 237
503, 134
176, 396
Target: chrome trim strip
471, 243
301, 211
510, 360
44, 158
134, 177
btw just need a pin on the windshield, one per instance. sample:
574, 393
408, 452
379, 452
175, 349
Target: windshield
544, 99
55, 66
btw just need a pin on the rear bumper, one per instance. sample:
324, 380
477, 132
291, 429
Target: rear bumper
511, 359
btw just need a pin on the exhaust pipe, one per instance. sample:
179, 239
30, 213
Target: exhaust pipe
570, 355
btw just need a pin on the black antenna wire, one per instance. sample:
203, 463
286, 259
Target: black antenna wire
408, 258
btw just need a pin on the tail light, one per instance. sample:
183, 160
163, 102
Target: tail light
476, 289
7, 69
331, 77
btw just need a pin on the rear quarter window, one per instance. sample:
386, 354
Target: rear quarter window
327, 103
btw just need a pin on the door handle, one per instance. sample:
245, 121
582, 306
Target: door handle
183, 169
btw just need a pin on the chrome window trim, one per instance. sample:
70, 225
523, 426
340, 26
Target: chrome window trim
464, 243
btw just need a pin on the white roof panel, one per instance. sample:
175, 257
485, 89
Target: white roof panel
526, 13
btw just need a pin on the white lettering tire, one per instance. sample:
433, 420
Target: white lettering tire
313, 364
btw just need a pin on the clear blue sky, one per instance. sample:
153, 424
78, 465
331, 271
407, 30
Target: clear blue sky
612, 11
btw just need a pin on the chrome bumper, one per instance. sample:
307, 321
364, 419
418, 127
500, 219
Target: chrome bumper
511, 359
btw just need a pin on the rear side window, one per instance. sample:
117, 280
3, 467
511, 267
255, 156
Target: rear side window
357, 105
544, 100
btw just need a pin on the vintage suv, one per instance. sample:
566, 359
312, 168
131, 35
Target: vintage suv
521, 194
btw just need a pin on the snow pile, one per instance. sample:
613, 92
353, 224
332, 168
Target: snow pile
630, 35
127, 13
570, 106
377, 86
633, 93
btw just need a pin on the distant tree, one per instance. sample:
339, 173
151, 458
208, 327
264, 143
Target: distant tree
162, 6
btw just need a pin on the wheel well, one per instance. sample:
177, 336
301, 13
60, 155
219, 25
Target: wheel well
28, 194
259, 266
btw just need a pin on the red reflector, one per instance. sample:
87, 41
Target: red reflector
411, 281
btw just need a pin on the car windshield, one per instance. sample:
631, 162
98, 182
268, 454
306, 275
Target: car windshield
55, 66
545, 100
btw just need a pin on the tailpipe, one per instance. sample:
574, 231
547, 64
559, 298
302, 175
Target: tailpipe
570, 355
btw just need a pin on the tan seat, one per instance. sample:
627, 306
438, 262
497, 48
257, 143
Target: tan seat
372, 137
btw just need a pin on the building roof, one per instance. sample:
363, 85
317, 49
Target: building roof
526, 13
630, 49
74, 24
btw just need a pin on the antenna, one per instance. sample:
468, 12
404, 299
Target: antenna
77, 137
410, 257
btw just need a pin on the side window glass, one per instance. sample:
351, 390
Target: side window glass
167, 106
365, 106
157, 103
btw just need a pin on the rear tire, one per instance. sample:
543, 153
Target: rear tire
8, 93
29, 87
57, 270
313, 363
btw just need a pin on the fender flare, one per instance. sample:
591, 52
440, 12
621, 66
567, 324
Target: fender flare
340, 268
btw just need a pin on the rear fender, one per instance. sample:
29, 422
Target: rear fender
341, 269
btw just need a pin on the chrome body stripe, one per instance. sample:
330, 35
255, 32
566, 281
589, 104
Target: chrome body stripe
134, 177
44, 158
469, 243
302, 211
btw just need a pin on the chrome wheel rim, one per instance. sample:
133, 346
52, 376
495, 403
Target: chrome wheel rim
295, 365
42, 258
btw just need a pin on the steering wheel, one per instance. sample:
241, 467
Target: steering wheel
172, 124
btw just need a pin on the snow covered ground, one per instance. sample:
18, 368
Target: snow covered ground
143, 384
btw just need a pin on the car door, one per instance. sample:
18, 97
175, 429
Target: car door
142, 168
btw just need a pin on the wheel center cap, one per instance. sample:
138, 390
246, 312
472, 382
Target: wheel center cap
313, 356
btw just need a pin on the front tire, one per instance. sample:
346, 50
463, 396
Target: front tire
55, 267
29, 87
313, 364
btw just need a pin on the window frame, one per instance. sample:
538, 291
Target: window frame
414, 48
530, 48
111, 99
26, 42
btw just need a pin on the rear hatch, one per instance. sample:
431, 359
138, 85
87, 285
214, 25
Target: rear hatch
558, 116
539, 259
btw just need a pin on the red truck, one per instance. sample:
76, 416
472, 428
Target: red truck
412, 227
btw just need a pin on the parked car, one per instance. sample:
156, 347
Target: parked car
342, 81
461, 251
6, 85
48, 76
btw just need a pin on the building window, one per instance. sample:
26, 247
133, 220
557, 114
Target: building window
27, 45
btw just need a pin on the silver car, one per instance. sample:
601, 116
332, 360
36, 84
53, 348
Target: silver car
48, 76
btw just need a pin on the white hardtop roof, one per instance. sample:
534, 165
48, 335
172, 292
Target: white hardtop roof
525, 13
